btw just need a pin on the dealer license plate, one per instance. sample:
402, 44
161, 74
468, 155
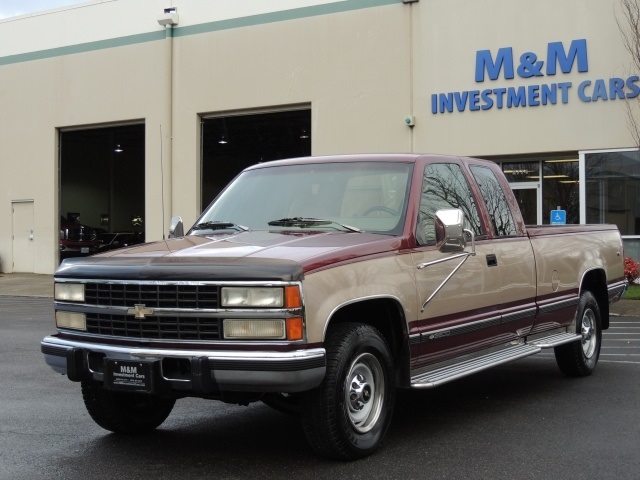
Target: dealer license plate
84, 249
129, 375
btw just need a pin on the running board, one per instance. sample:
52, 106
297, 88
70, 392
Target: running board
554, 340
440, 375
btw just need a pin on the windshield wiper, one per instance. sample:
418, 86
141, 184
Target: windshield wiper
217, 225
304, 222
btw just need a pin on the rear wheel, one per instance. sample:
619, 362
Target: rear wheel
348, 415
578, 359
123, 412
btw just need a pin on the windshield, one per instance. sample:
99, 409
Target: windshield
367, 196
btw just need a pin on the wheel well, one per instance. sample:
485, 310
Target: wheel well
595, 281
386, 315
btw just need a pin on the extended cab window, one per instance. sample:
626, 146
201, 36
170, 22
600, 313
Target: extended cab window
496, 202
444, 186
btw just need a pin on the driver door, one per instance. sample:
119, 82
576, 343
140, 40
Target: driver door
463, 315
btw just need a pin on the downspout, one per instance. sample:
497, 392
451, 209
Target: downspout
167, 176
169, 19
410, 119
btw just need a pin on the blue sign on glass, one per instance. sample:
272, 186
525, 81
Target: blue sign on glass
558, 217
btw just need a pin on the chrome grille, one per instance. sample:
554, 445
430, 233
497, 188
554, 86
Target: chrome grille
152, 296
80, 235
155, 327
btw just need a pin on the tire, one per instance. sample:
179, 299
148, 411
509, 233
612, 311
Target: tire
122, 412
579, 359
347, 416
288, 404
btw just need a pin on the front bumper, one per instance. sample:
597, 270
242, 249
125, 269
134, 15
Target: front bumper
194, 372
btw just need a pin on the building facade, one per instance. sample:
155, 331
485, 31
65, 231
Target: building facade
118, 114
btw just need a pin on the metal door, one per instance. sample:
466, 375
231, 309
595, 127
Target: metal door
23, 235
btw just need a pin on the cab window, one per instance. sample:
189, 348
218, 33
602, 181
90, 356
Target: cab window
494, 198
444, 186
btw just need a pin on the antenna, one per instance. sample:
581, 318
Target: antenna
162, 182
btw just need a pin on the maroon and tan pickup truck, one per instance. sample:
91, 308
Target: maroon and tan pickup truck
322, 285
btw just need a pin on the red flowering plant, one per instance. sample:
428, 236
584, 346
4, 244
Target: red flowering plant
631, 270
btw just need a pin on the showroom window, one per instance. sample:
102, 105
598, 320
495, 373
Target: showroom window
545, 184
613, 193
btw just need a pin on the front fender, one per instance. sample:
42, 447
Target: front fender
328, 290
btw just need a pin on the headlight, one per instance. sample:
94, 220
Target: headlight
76, 321
266, 297
291, 329
254, 330
69, 292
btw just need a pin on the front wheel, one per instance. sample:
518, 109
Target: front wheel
347, 416
578, 359
122, 412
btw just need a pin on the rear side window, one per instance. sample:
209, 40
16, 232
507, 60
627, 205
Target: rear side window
444, 186
496, 202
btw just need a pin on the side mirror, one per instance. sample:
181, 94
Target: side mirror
450, 231
176, 228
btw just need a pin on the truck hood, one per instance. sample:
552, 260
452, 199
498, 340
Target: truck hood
253, 255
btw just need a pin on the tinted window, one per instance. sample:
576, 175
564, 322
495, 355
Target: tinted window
444, 186
496, 202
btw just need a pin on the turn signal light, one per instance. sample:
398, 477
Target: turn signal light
292, 297
295, 328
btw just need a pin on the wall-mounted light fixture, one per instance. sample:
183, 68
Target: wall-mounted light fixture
169, 17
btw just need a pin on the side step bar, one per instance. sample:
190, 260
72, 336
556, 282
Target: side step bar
439, 376
444, 372
554, 340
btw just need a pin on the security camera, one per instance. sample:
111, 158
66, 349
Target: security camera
169, 17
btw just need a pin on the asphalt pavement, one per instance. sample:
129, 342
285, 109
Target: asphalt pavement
523, 420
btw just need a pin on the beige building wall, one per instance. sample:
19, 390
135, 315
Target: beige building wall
351, 69
73, 91
447, 38
361, 66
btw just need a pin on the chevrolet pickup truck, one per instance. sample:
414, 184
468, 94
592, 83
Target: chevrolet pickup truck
322, 285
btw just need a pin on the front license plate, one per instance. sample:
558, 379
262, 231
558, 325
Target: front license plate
129, 375
84, 249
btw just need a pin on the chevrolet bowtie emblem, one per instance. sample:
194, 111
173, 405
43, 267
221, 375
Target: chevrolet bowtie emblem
140, 311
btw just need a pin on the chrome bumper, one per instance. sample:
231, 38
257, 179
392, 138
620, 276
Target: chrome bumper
195, 371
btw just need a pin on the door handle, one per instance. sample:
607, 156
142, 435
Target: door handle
492, 260
31, 234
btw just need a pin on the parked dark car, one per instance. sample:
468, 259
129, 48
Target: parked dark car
111, 241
